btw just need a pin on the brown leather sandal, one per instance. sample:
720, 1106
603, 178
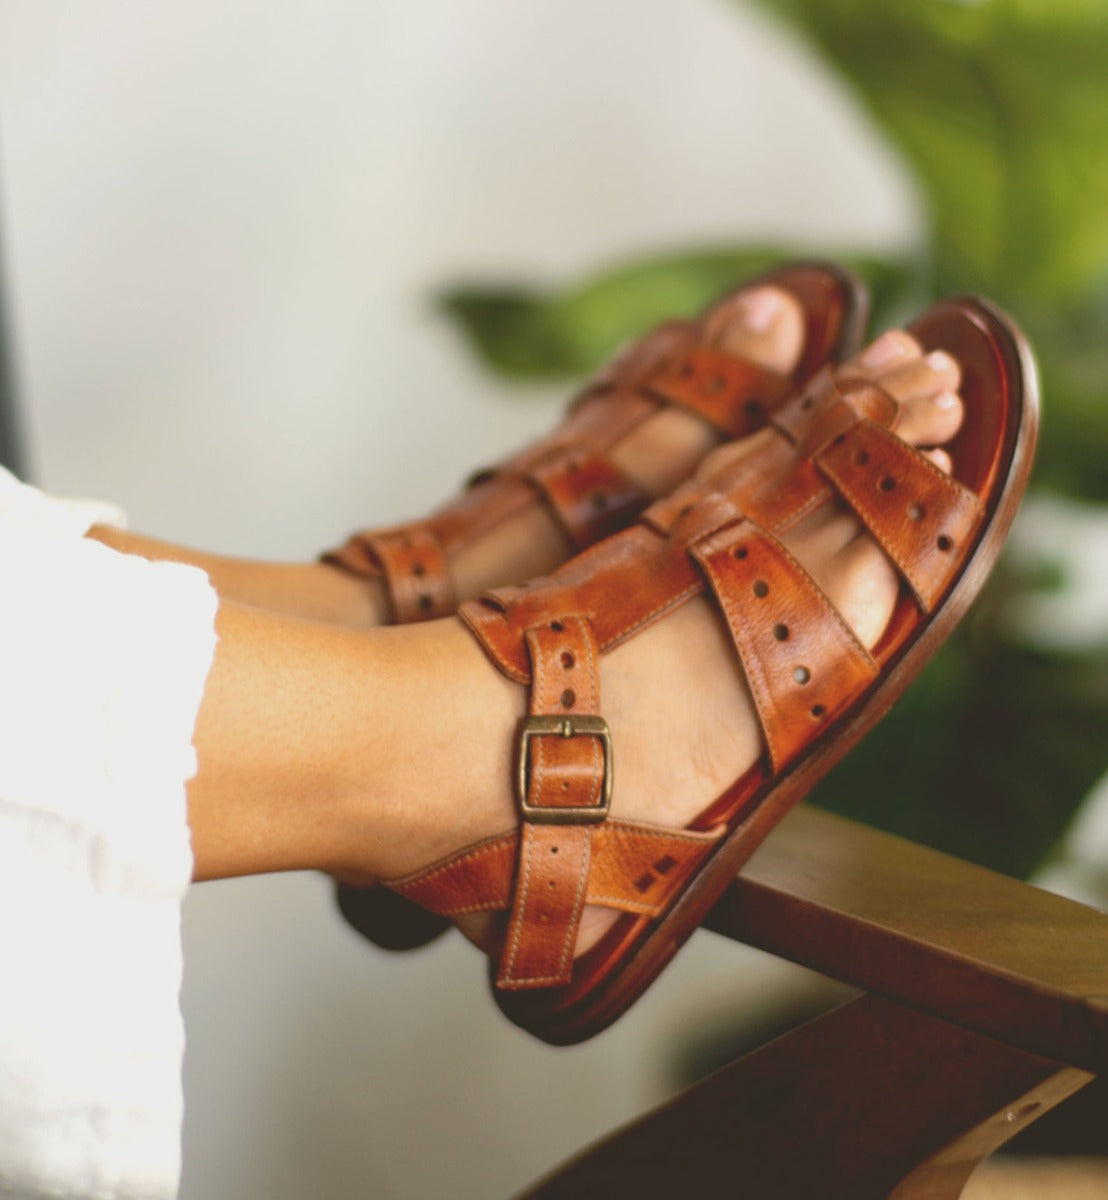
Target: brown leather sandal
817, 690
570, 473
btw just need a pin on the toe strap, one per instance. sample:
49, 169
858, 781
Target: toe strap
802, 661
922, 518
730, 393
588, 495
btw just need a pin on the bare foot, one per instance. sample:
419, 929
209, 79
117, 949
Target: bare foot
677, 746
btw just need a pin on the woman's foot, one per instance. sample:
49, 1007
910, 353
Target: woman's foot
373, 754
683, 724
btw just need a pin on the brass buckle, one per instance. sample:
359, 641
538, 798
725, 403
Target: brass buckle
567, 727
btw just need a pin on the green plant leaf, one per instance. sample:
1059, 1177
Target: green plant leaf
987, 756
1001, 108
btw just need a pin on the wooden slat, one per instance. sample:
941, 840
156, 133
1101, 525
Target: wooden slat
870, 1101
948, 938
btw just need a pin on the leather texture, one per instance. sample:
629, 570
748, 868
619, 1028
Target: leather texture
570, 474
806, 670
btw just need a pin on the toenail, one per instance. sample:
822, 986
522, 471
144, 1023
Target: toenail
939, 360
946, 400
886, 349
758, 307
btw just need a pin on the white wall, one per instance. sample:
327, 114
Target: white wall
224, 221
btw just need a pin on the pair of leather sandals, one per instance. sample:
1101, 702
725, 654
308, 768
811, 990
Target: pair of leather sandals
817, 690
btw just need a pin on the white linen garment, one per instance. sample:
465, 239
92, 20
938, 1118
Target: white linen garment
103, 659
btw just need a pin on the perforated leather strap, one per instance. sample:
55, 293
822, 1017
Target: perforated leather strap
589, 495
803, 663
923, 519
730, 393
563, 773
632, 868
416, 574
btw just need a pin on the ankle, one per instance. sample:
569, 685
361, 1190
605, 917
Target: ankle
433, 771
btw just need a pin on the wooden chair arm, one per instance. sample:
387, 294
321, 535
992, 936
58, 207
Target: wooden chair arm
954, 940
988, 1005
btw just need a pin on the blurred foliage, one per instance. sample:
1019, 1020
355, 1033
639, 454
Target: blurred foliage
1000, 109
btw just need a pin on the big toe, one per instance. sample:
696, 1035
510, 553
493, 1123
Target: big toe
762, 323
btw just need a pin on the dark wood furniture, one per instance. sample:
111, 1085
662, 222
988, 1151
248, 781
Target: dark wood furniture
985, 1004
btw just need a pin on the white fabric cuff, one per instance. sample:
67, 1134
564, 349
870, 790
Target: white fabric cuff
105, 657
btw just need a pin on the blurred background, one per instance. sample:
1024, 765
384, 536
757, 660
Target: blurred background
254, 252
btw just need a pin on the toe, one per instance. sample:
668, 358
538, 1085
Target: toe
931, 420
942, 460
762, 323
920, 377
862, 584
925, 385
883, 354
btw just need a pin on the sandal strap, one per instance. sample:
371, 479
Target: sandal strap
732, 394
589, 496
621, 584
412, 561
803, 663
780, 484
633, 867
922, 518
564, 774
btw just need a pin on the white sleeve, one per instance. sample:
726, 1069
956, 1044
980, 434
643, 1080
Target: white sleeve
103, 658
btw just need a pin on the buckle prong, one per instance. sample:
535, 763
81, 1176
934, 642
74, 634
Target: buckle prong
568, 726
